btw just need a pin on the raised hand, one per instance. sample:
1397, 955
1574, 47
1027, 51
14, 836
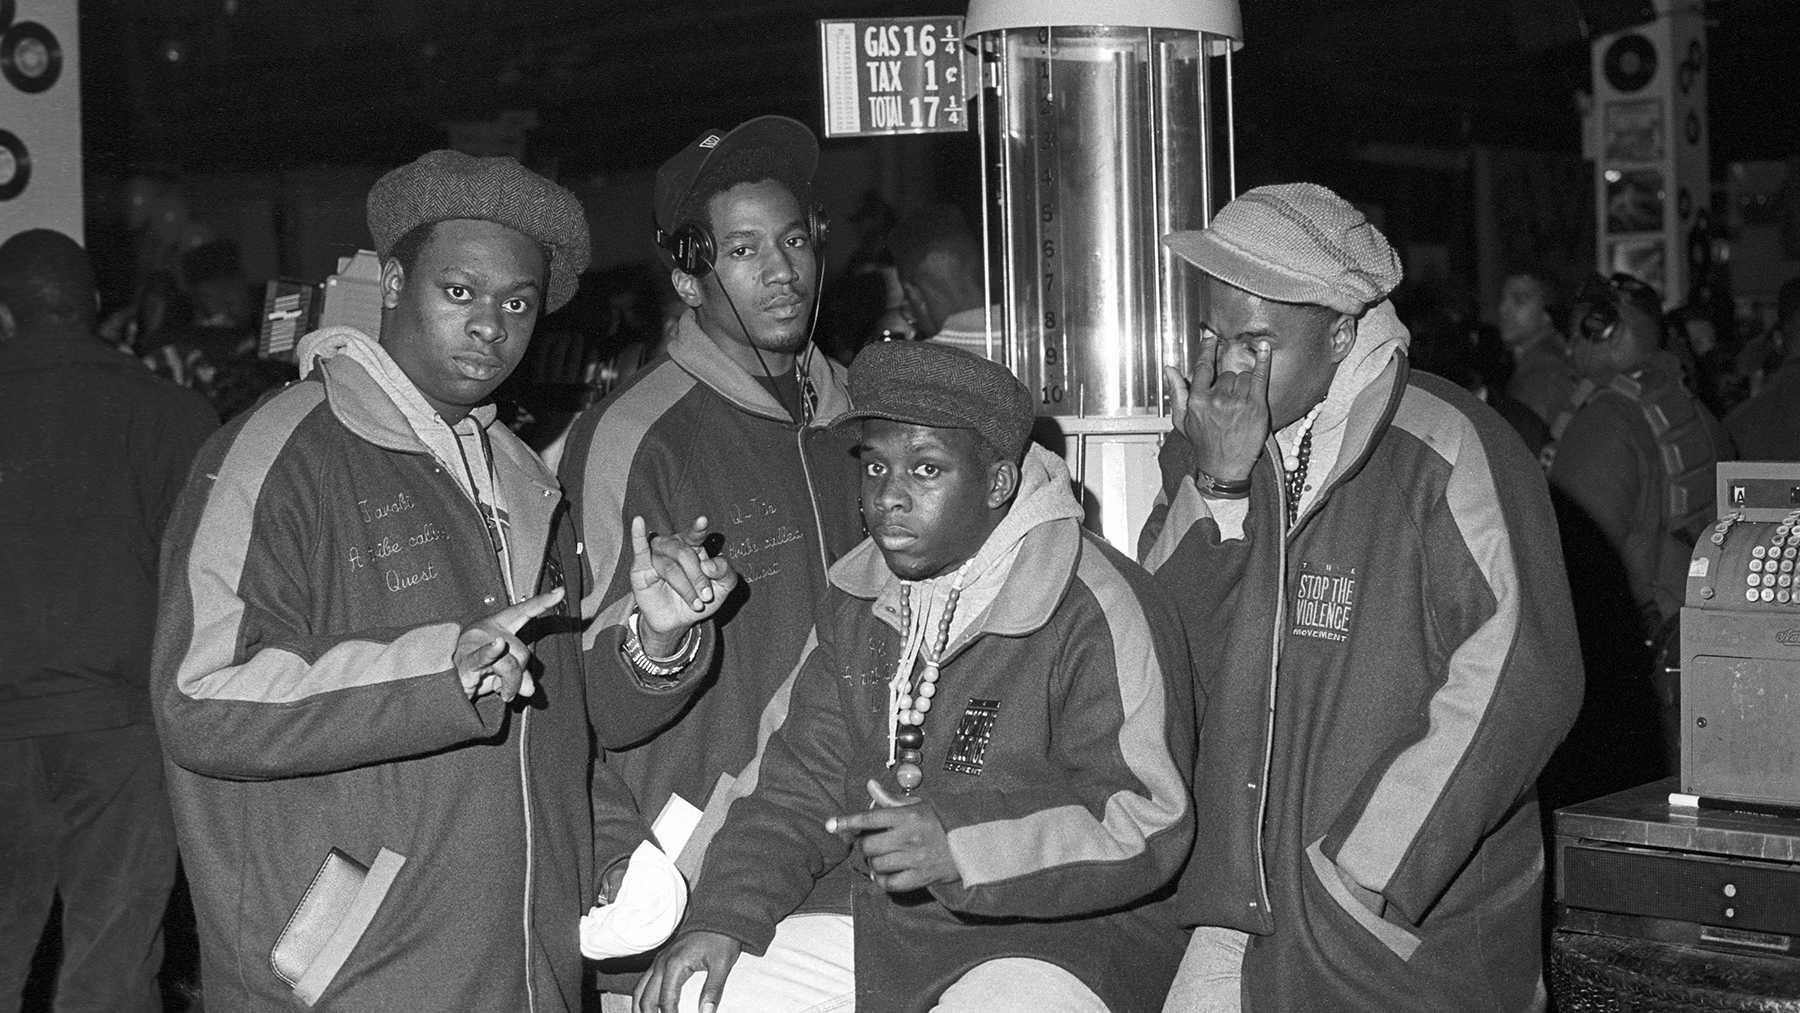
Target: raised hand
659, 991
902, 840
490, 657
676, 584
1224, 415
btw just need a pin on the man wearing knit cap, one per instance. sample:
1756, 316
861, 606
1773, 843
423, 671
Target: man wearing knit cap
992, 730
1370, 552
367, 676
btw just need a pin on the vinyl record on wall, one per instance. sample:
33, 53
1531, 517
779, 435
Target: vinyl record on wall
15, 166
30, 57
1630, 62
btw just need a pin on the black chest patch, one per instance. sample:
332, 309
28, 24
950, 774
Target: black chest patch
1325, 599
968, 750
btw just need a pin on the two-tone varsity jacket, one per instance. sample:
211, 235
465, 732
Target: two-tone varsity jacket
1384, 682
690, 435
1057, 753
317, 573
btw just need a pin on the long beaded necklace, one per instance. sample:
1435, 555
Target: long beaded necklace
1293, 464
909, 700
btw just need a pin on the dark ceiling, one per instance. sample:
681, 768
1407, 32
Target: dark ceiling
212, 85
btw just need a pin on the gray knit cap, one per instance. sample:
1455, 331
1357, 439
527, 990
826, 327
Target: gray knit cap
1295, 242
443, 185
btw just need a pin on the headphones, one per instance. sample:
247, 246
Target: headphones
693, 250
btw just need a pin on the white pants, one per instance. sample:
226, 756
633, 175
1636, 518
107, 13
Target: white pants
810, 968
1211, 976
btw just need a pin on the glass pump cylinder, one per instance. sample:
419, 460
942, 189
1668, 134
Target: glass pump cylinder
1097, 141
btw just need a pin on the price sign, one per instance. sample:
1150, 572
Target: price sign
893, 76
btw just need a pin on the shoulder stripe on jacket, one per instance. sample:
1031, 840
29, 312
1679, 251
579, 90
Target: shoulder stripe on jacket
607, 472
1184, 512
1006, 849
215, 571
1414, 783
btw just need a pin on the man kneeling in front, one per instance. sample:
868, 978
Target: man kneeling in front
994, 725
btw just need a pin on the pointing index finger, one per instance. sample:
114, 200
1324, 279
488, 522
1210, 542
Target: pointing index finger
1259, 373
514, 617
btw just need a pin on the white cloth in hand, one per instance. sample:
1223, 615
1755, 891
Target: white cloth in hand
650, 904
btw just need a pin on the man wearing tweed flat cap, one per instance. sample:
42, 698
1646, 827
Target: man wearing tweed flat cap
992, 728
1371, 552
368, 676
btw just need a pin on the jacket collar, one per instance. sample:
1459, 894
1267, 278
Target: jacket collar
1029, 559
702, 358
373, 398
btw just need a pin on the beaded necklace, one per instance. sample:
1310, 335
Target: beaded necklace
909, 700
1293, 465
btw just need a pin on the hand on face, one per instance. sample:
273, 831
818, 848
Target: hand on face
460, 319
1260, 366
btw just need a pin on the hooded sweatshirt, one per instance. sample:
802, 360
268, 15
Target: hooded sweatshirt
318, 571
1384, 681
1056, 755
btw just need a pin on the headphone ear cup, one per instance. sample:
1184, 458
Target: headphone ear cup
692, 248
818, 225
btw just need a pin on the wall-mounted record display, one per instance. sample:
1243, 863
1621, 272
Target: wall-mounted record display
30, 57
15, 166
1629, 63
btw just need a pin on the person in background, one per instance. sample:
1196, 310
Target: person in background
368, 685
93, 453
940, 266
731, 425
1530, 306
993, 726
1637, 457
1382, 631
1767, 427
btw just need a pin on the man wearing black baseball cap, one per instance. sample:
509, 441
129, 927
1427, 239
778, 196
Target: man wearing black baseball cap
730, 426
380, 754
992, 728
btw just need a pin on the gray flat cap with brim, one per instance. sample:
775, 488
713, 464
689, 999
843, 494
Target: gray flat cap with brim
444, 185
923, 383
1295, 243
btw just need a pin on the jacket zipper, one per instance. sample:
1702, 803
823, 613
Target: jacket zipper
812, 500
524, 728
1262, 796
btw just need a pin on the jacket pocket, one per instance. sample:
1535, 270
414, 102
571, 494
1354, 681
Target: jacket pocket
1395, 938
330, 920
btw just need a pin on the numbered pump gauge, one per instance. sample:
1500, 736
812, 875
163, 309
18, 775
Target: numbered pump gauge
1104, 126
1098, 139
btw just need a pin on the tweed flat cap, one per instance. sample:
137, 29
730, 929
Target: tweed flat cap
928, 384
675, 179
443, 185
1296, 242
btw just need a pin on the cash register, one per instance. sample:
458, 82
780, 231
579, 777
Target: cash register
1685, 893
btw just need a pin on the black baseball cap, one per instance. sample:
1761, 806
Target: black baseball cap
789, 138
